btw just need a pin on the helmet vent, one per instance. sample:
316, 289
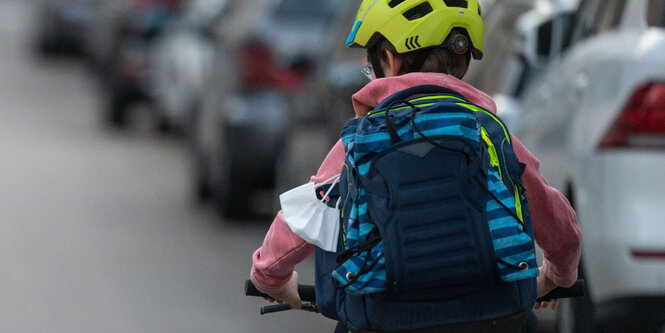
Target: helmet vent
418, 11
457, 3
395, 3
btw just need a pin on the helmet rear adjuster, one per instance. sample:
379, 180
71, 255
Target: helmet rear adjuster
457, 43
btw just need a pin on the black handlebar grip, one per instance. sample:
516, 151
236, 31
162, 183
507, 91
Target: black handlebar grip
274, 308
307, 292
250, 290
576, 290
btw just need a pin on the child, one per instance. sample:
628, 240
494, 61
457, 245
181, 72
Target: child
399, 61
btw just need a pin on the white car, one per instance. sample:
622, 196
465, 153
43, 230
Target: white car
264, 54
596, 122
492, 72
538, 41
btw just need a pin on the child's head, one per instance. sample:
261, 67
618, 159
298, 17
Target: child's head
437, 60
403, 36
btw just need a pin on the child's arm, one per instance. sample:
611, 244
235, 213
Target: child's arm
554, 222
275, 260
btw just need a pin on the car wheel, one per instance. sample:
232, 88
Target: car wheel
163, 125
230, 191
46, 48
200, 161
577, 314
201, 176
565, 316
231, 195
117, 108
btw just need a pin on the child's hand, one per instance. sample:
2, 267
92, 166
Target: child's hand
289, 294
545, 285
544, 305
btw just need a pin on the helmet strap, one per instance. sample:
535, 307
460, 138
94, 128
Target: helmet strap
376, 64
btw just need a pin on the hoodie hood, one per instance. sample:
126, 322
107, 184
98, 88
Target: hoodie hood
374, 92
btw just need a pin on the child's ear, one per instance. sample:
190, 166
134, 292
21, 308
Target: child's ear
394, 64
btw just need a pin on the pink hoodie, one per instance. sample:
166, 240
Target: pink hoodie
554, 220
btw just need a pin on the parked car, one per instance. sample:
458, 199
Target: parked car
492, 72
61, 25
539, 40
596, 121
103, 36
263, 54
322, 110
180, 59
131, 35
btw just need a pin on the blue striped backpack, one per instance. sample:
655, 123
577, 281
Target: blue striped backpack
435, 224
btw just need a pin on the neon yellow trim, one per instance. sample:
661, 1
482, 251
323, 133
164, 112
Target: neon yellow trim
494, 158
503, 154
477, 109
396, 109
518, 206
425, 98
346, 199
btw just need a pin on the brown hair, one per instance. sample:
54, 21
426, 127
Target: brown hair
440, 60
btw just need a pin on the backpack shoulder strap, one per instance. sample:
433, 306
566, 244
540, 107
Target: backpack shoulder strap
421, 89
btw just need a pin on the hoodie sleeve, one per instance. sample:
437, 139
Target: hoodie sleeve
275, 260
554, 222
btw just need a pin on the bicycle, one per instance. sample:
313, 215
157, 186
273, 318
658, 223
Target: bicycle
308, 295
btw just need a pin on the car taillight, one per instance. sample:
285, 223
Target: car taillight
642, 121
259, 69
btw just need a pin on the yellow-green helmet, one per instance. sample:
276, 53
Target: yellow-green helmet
412, 25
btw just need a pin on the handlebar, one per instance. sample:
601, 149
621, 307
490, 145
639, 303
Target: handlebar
576, 290
308, 295
306, 292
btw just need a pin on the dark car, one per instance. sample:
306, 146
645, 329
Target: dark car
62, 25
124, 69
319, 114
263, 53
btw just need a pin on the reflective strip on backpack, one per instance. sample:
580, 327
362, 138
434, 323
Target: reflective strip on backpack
518, 205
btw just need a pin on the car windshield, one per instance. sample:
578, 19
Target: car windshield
315, 9
656, 13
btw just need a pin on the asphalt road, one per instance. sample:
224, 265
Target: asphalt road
99, 231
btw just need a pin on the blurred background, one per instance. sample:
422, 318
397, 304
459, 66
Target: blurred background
145, 142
